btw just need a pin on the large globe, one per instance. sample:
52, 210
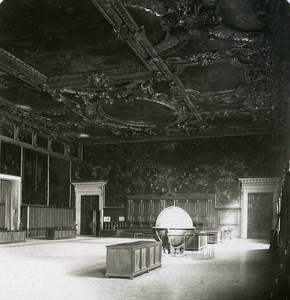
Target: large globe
174, 227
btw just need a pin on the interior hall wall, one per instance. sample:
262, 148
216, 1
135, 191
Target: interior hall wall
36, 219
187, 166
59, 182
10, 162
44, 177
37, 184
35, 179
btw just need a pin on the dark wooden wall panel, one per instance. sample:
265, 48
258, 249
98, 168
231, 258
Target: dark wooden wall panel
156, 208
201, 208
136, 207
182, 204
147, 208
42, 217
169, 202
285, 215
23, 216
2, 215
192, 208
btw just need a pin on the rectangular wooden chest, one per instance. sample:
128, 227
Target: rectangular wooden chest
132, 259
12, 236
196, 242
58, 234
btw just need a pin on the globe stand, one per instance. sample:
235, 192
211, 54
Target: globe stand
173, 228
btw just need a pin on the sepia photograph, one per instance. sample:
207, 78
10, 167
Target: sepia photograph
144, 149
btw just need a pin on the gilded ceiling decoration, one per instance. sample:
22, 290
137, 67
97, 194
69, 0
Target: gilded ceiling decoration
117, 70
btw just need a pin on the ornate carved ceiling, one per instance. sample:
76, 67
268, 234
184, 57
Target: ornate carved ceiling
118, 70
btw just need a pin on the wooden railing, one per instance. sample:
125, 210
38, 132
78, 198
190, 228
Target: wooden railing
115, 225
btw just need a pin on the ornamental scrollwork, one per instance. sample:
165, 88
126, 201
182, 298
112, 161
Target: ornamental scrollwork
223, 98
223, 32
205, 58
4, 84
175, 88
192, 14
98, 80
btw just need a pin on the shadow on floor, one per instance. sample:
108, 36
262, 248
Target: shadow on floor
96, 271
93, 273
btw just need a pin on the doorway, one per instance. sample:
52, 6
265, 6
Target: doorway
5, 198
89, 188
89, 215
260, 215
259, 198
10, 201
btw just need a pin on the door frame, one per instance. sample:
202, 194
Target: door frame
87, 188
16, 192
258, 185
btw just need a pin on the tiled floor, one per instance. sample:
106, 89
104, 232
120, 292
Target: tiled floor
75, 269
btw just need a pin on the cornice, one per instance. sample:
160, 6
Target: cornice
100, 183
260, 180
10, 177
187, 135
21, 70
172, 197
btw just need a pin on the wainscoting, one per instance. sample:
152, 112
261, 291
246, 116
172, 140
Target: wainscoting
143, 210
35, 219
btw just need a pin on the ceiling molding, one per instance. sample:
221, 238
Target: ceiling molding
21, 70
134, 70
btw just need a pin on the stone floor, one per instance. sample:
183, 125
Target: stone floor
75, 269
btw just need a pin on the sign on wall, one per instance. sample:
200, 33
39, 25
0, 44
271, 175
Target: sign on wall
107, 219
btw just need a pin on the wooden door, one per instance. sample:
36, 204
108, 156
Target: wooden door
5, 198
89, 204
2, 208
260, 215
